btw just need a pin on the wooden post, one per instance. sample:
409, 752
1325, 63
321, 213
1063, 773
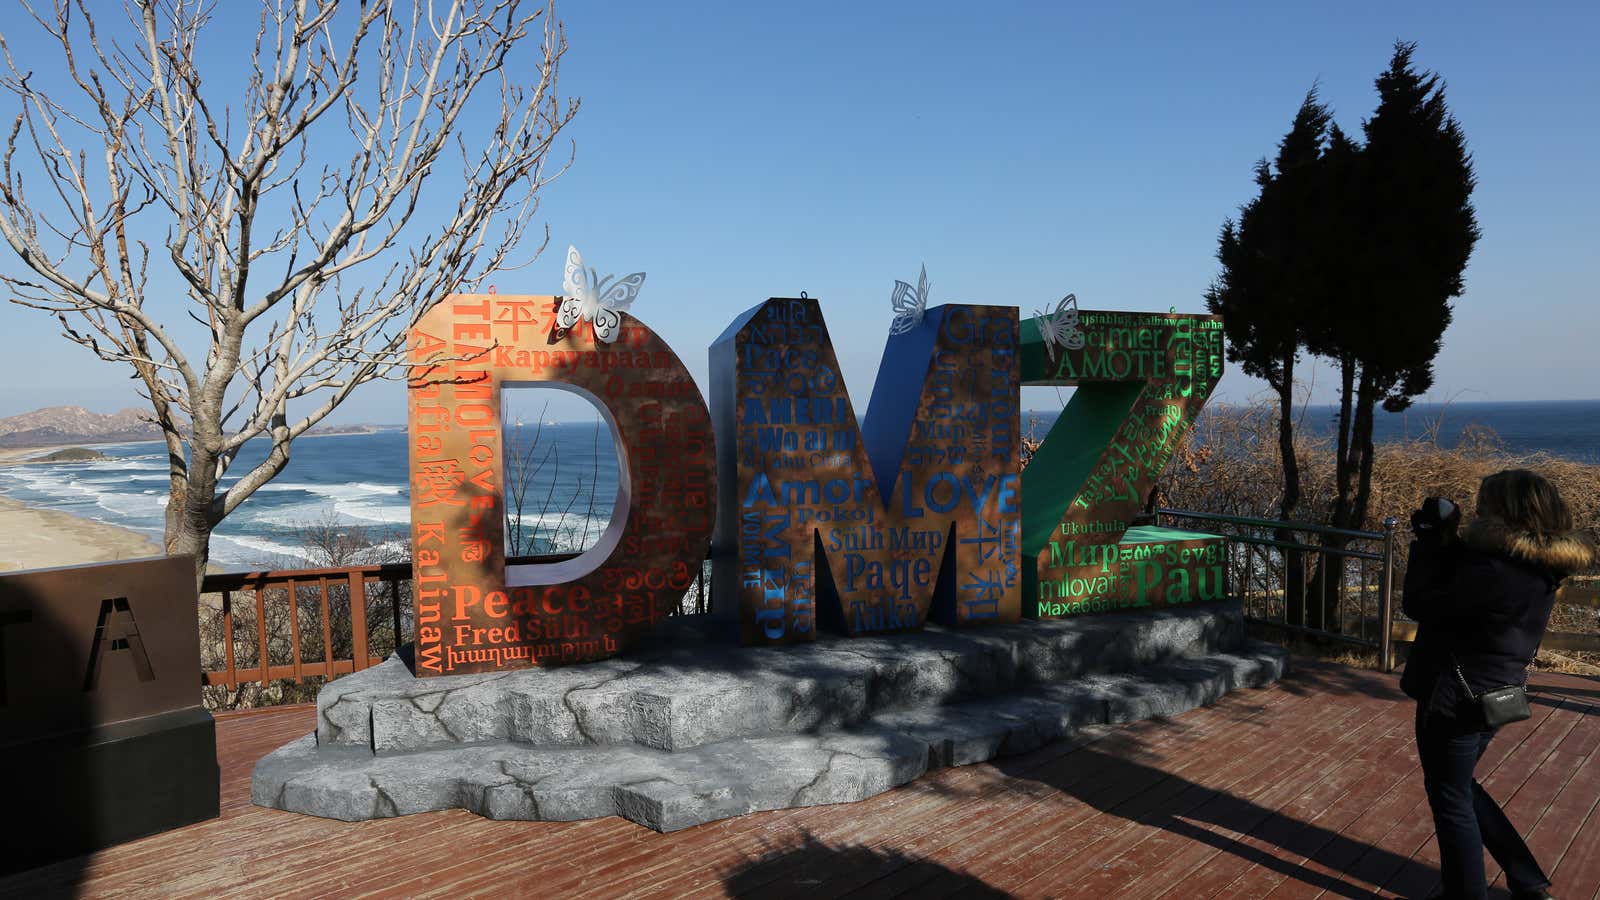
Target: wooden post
261, 629
394, 593
327, 630
227, 638
358, 621
294, 631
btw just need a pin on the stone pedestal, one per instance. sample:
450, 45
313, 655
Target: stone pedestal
697, 730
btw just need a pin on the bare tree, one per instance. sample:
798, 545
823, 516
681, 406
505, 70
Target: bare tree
286, 217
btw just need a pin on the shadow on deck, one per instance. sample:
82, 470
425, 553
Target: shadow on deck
1308, 788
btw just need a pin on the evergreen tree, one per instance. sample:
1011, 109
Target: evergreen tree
1351, 251
1401, 232
1268, 284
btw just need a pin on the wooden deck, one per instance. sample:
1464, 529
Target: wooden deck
1305, 789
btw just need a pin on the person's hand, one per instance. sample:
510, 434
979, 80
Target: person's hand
1437, 519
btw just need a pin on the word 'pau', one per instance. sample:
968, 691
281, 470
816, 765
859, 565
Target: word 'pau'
818, 520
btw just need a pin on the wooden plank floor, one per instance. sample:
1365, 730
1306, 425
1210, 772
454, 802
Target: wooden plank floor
1309, 788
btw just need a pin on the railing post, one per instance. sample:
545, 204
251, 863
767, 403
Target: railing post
227, 637
261, 631
358, 620
1386, 598
394, 608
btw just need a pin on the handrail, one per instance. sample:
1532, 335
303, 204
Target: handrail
1313, 548
232, 581
324, 593
1587, 642
1272, 523
1284, 590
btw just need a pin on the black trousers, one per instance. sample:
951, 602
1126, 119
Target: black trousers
1465, 818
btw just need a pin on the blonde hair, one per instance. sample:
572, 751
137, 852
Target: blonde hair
1525, 502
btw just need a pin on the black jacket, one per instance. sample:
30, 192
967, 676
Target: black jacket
1485, 600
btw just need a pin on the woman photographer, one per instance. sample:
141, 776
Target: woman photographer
1481, 602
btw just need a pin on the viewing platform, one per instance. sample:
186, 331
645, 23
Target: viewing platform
1305, 788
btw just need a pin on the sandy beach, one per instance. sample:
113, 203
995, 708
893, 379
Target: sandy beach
32, 538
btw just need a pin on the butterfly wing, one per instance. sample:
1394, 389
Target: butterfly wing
621, 295
909, 304
577, 277
578, 290
607, 324
1067, 319
904, 303
608, 307
1048, 332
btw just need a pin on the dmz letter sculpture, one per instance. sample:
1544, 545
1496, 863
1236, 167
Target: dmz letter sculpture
1141, 380
865, 527
473, 614
919, 512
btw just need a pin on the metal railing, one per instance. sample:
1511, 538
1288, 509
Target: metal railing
1577, 594
292, 625
1332, 583
239, 645
295, 624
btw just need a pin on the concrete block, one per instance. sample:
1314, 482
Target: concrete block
674, 736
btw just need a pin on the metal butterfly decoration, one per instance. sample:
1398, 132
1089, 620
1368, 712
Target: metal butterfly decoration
909, 304
1060, 328
594, 299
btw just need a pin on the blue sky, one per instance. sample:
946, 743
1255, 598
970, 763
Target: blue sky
736, 151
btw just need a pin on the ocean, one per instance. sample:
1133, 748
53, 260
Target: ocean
1569, 429
359, 480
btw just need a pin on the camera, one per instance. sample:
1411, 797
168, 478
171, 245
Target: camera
1436, 518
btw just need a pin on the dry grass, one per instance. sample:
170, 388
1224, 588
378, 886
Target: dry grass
1330, 651
1230, 465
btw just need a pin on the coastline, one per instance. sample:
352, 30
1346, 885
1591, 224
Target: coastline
35, 535
34, 538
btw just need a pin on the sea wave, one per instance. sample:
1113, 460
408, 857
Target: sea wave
339, 491
67, 489
358, 503
125, 464
564, 534
235, 549
297, 515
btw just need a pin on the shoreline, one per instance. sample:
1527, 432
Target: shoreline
35, 538
16, 455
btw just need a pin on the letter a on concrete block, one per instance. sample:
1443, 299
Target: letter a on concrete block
475, 614
873, 528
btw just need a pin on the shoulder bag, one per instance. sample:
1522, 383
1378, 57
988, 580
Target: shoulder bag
1501, 705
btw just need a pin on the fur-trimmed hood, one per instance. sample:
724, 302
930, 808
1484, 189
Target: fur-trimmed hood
1561, 554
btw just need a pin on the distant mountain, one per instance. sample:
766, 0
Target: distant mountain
56, 425
75, 425
363, 428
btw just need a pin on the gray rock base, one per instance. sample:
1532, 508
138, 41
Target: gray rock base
681, 736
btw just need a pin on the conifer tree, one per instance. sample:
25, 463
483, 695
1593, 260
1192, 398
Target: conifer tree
1267, 284
1403, 230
